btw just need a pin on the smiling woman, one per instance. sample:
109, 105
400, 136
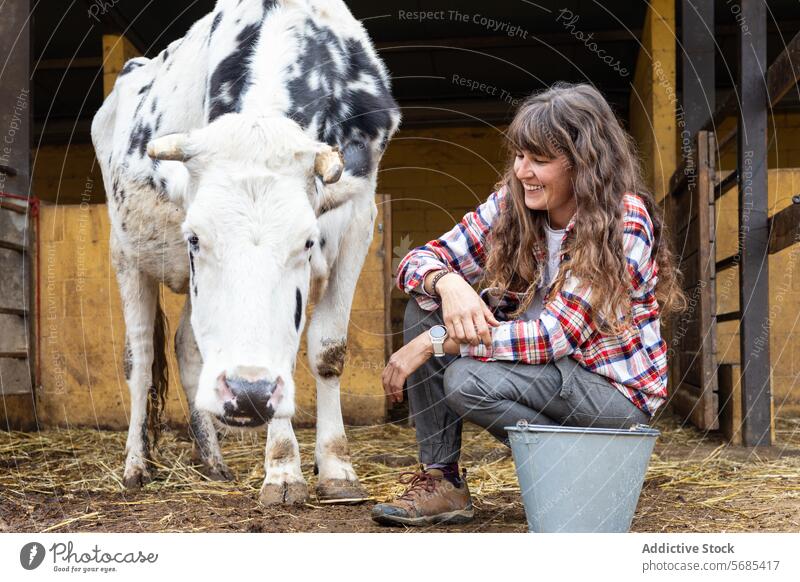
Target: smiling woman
577, 274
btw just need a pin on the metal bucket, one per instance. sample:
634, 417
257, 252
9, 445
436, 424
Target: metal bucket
577, 479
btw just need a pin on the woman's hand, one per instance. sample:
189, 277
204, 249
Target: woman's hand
403, 362
465, 315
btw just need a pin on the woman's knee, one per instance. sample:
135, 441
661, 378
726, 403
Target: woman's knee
461, 385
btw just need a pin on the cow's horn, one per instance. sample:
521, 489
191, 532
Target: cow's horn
169, 147
329, 164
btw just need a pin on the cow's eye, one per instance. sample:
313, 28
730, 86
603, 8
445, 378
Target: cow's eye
309, 244
194, 243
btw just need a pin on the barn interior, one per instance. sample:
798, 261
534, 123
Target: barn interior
458, 71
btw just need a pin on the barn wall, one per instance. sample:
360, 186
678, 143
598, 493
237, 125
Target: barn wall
82, 332
434, 177
67, 174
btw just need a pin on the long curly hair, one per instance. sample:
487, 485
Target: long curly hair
577, 121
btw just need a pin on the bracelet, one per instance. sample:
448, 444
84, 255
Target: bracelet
435, 280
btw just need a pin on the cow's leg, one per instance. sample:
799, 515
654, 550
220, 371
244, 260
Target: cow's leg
205, 447
327, 336
284, 481
139, 299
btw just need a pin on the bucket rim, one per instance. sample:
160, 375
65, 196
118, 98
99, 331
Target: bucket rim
636, 430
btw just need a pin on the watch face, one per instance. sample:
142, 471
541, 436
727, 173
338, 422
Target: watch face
438, 331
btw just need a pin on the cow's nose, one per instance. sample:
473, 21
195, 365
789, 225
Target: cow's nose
249, 395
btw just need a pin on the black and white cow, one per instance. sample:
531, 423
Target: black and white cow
219, 159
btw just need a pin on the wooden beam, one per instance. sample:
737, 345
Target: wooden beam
728, 182
729, 316
784, 72
784, 228
727, 263
699, 89
754, 225
782, 75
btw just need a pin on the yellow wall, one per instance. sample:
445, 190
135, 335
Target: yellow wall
67, 174
434, 177
654, 98
82, 332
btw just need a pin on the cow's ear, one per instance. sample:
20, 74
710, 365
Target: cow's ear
175, 146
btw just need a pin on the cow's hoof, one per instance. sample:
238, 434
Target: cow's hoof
218, 473
341, 491
136, 478
292, 493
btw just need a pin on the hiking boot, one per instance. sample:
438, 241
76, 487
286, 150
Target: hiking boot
429, 499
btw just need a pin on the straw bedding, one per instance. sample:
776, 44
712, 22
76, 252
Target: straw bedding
70, 480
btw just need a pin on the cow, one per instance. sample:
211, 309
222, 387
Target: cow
240, 166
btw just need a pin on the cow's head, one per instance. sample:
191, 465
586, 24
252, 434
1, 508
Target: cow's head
252, 188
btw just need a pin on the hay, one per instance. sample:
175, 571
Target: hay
694, 483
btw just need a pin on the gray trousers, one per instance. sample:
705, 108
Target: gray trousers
444, 391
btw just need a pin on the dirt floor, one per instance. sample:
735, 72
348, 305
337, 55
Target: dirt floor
70, 481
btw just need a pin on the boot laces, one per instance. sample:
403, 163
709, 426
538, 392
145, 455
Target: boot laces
417, 481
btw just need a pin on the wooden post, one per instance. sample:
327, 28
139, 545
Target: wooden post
17, 239
697, 37
754, 224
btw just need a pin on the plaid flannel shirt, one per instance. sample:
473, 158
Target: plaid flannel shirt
634, 362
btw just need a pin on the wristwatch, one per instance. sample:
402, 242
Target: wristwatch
438, 333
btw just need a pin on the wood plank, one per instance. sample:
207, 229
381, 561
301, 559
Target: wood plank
12, 289
754, 223
13, 229
699, 91
784, 71
692, 366
13, 336
730, 402
727, 263
15, 376
727, 183
706, 218
729, 316
784, 228
686, 403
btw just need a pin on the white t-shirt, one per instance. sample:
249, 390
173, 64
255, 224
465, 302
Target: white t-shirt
551, 269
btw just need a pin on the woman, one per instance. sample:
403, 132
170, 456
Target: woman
577, 272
